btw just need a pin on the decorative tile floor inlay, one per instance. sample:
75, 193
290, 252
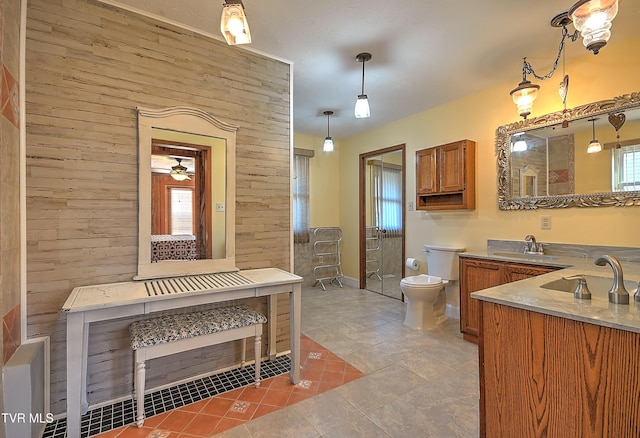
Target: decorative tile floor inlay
211, 405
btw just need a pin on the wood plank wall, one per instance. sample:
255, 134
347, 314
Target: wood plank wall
88, 66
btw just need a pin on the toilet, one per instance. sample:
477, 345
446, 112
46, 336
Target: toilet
425, 294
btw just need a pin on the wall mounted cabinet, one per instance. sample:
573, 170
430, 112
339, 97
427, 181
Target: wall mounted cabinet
479, 273
445, 176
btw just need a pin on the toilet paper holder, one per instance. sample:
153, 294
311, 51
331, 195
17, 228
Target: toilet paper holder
412, 264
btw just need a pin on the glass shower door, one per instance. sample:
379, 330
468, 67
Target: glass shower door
384, 234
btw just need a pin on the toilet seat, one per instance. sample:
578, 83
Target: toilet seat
423, 281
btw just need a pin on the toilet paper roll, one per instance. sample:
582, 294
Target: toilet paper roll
412, 263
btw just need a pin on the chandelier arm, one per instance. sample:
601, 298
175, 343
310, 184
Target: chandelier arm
527, 68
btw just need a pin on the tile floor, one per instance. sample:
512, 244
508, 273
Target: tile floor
415, 383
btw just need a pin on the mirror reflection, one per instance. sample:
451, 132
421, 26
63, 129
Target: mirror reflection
186, 190
589, 156
187, 196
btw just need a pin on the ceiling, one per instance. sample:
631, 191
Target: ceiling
424, 53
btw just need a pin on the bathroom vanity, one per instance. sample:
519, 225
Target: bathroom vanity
552, 365
478, 273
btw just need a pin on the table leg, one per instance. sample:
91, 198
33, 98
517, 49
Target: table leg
295, 308
76, 360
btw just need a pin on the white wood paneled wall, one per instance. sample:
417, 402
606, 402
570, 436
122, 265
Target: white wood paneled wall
88, 66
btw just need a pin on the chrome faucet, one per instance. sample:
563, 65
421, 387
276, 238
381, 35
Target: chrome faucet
531, 246
617, 294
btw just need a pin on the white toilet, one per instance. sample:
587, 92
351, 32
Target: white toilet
425, 294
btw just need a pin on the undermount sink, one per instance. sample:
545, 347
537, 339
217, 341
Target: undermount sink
523, 256
599, 286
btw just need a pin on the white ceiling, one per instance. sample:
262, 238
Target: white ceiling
425, 52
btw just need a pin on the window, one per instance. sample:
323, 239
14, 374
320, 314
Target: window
181, 210
626, 168
301, 208
386, 192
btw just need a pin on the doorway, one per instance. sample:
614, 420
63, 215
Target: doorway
382, 221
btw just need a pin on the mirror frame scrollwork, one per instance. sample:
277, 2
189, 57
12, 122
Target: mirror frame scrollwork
192, 121
503, 149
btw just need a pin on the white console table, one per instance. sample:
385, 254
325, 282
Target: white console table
103, 302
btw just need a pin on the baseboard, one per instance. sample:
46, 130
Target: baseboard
452, 312
351, 282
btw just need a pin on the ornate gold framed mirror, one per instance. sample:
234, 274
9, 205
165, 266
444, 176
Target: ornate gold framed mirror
554, 148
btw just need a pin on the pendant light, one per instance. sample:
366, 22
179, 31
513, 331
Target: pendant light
179, 172
362, 103
592, 18
233, 23
520, 145
328, 142
594, 145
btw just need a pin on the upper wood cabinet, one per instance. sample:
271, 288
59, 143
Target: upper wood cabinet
445, 176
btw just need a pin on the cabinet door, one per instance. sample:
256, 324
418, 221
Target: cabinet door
475, 275
426, 171
451, 167
515, 272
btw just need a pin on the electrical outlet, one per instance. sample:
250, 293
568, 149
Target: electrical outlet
545, 222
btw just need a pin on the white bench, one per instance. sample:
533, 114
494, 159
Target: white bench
169, 334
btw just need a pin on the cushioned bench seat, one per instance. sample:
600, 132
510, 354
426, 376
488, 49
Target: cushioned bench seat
169, 334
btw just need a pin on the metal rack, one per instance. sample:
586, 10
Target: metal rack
373, 242
326, 249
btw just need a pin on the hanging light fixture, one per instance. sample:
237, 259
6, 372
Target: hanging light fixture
362, 103
233, 23
328, 142
179, 172
519, 145
594, 145
592, 18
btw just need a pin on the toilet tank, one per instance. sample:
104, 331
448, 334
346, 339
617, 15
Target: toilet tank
443, 261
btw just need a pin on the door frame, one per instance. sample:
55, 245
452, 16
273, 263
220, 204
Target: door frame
362, 207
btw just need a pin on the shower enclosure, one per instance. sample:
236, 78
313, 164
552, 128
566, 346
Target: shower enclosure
382, 195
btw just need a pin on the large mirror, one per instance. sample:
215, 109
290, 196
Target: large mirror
552, 161
186, 188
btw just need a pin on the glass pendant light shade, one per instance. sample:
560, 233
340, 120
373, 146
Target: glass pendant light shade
523, 96
594, 145
233, 23
328, 142
362, 107
592, 18
519, 146
328, 145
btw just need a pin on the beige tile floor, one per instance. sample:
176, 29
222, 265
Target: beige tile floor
417, 383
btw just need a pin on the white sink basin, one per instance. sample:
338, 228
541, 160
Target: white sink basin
522, 256
599, 286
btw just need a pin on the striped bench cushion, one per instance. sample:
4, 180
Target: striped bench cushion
170, 328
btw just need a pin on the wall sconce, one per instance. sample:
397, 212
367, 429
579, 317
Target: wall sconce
362, 103
594, 145
592, 19
233, 23
328, 142
179, 172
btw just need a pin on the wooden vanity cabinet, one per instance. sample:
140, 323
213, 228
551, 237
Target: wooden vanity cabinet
445, 176
479, 273
548, 376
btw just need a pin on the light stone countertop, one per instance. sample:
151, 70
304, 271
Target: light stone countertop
528, 295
